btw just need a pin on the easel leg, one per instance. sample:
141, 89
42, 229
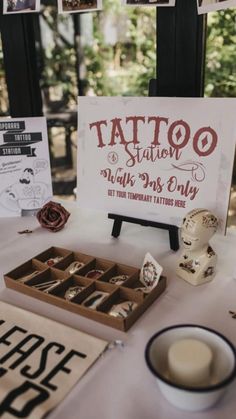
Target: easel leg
116, 228
174, 238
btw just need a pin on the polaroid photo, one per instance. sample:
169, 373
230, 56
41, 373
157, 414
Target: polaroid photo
78, 6
20, 6
205, 6
156, 3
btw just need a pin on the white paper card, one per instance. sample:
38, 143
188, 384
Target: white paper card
205, 6
156, 158
41, 361
25, 174
20, 6
150, 272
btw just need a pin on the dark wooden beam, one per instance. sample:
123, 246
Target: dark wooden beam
19, 50
181, 34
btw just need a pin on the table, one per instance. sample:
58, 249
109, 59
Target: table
119, 385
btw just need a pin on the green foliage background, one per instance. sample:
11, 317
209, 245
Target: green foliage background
138, 57
220, 76
126, 66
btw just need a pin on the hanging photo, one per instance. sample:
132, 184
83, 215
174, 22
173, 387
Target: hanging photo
157, 3
20, 6
205, 6
76, 6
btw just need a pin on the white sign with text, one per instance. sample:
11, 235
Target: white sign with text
156, 158
25, 174
41, 361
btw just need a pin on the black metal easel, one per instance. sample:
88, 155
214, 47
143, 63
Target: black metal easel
180, 73
173, 230
119, 219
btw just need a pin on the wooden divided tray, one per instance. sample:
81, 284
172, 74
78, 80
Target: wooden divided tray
95, 290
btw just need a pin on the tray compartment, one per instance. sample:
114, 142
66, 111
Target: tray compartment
97, 264
134, 283
52, 253
23, 272
95, 288
119, 270
65, 263
50, 275
118, 296
73, 281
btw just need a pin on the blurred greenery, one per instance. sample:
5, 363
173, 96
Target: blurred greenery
125, 67
220, 76
3, 88
58, 78
121, 58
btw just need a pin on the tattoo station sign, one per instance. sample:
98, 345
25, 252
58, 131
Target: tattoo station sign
156, 158
40, 362
25, 176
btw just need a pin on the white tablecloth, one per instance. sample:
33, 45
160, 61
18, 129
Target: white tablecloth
119, 385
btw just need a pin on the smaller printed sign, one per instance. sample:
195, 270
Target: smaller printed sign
77, 6
156, 3
20, 6
205, 6
25, 174
41, 360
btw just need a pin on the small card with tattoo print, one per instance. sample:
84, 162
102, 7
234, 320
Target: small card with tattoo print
150, 272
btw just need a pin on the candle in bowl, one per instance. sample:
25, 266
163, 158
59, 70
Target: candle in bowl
222, 369
189, 362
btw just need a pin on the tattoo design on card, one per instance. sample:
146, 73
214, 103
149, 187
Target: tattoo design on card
150, 272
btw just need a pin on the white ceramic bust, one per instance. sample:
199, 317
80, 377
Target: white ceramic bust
198, 261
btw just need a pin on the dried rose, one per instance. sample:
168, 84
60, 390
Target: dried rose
52, 216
